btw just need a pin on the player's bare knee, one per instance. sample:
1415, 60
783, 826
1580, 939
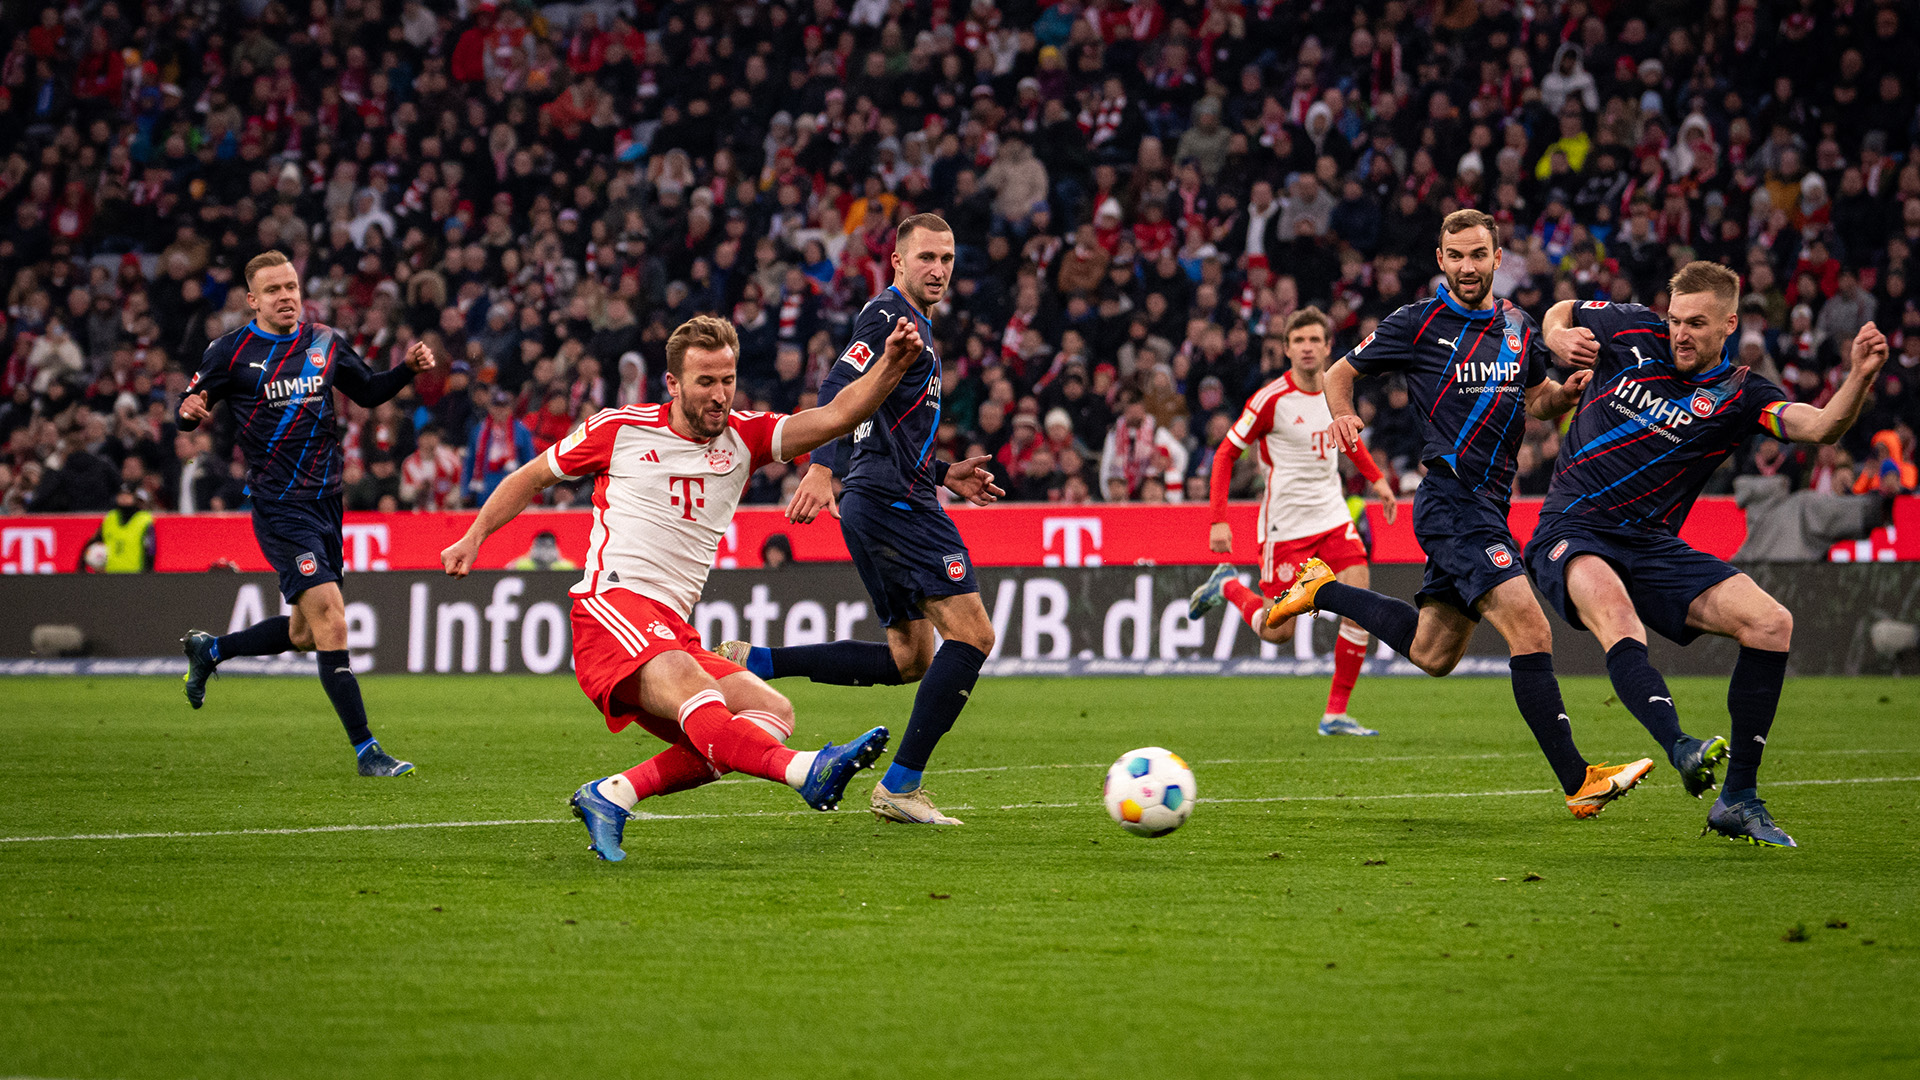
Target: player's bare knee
912, 664
1435, 662
777, 704
980, 637
1770, 628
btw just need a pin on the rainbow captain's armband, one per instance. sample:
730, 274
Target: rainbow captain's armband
1773, 419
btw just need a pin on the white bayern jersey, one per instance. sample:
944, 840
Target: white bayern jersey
661, 501
1304, 495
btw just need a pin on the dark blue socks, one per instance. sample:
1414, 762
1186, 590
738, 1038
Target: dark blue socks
1537, 693
267, 637
1752, 699
1392, 621
944, 691
336, 676
1644, 692
838, 663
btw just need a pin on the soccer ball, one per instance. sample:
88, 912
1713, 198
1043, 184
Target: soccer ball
1150, 791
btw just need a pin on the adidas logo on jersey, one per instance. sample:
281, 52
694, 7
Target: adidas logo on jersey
651, 455
1299, 419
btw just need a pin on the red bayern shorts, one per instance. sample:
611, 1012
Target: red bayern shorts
615, 634
1338, 547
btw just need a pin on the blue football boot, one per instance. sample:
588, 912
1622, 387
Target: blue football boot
606, 822
1209, 595
374, 761
835, 765
1746, 818
200, 665
1694, 760
1343, 725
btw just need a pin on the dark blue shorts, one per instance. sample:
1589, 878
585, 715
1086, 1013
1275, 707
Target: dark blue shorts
904, 556
1469, 547
301, 538
1662, 574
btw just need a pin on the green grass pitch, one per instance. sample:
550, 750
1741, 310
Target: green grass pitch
1347, 908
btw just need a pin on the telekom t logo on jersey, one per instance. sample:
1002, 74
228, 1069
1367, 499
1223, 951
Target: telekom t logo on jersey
688, 493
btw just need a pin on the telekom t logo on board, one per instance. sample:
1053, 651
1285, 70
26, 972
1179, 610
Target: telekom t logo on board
1079, 541
688, 493
27, 549
366, 546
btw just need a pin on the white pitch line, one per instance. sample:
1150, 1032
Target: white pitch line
646, 816
1318, 761
286, 832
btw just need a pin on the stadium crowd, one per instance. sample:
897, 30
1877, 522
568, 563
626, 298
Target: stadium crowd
1142, 194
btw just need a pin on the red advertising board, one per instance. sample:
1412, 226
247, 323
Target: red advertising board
1011, 535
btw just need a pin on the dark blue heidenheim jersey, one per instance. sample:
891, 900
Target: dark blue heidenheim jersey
280, 389
1468, 372
1646, 437
889, 457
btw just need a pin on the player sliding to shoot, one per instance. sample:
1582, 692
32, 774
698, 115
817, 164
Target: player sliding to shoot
666, 482
1473, 365
1665, 408
1302, 513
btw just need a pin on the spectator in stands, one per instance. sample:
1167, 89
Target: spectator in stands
547, 196
499, 445
430, 476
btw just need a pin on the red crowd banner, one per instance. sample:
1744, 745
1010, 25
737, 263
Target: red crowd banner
1020, 534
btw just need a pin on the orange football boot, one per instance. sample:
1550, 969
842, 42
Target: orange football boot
1606, 783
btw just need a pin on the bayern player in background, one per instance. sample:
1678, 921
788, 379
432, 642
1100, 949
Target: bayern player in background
278, 374
1303, 511
1666, 407
666, 482
906, 549
1475, 367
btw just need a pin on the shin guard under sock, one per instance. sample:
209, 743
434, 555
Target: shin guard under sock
268, 637
732, 743
944, 691
1537, 693
837, 663
336, 677
1752, 699
1392, 621
1644, 692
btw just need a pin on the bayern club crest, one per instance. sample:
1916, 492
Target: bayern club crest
1702, 403
1500, 556
719, 459
1559, 549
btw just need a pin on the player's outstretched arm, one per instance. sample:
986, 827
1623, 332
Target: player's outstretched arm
368, 388
513, 495
1801, 422
810, 428
1573, 345
1547, 399
1345, 429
